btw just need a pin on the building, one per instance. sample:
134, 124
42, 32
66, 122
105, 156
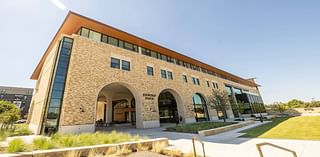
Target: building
93, 74
21, 97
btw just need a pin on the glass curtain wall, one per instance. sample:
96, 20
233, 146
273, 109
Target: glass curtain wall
51, 119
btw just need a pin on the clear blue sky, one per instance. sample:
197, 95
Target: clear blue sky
277, 41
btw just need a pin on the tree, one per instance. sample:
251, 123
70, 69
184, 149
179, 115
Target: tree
220, 101
278, 107
294, 103
9, 113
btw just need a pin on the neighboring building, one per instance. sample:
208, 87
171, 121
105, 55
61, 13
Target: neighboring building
93, 73
21, 97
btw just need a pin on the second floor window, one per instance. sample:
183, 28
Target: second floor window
149, 70
125, 65
115, 63
184, 77
195, 81
163, 74
170, 76
208, 84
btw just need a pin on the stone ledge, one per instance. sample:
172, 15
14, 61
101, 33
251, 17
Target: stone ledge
224, 129
87, 149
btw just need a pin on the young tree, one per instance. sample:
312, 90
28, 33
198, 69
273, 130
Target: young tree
220, 101
9, 113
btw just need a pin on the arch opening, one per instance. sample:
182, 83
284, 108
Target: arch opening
200, 107
168, 110
116, 106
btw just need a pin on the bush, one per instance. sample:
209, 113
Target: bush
16, 145
42, 143
9, 113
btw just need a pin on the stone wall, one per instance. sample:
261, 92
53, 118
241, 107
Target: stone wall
37, 106
89, 72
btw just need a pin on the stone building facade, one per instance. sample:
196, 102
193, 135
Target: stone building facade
105, 83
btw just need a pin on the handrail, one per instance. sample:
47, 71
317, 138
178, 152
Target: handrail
194, 146
259, 145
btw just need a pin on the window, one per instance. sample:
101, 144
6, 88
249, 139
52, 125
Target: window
149, 70
217, 86
154, 54
85, 32
128, 46
112, 41
104, 38
200, 108
163, 74
195, 81
164, 57
95, 36
121, 43
125, 65
213, 85
170, 76
115, 63
184, 77
208, 84
198, 81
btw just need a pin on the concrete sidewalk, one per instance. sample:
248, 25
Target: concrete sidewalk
229, 144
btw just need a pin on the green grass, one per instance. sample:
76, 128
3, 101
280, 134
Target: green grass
302, 127
195, 127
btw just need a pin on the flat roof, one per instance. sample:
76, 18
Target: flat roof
73, 22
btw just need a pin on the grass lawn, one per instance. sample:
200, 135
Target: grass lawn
195, 127
302, 127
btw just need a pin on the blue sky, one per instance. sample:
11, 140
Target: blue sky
277, 41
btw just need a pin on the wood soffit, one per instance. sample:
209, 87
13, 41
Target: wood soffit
74, 21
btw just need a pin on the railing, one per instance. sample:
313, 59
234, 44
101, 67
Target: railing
259, 145
194, 146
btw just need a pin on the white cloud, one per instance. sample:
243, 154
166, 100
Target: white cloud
59, 4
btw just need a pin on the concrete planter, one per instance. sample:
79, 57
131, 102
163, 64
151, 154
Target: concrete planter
224, 129
86, 149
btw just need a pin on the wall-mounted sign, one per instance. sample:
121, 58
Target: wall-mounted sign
148, 96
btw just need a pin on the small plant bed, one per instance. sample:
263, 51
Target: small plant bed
17, 130
195, 127
67, 141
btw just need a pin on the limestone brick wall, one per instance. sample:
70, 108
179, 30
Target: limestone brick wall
41, 92
90, 71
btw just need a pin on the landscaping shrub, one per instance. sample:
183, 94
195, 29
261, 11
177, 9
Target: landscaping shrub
42, 143
16, 145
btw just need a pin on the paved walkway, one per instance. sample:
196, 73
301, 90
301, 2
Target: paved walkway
229, 144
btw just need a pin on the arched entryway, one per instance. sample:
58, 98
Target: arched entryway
200, 107
116, 106
168, 107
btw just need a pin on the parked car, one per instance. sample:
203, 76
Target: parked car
21, 121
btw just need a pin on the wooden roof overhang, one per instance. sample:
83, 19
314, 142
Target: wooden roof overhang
73, 22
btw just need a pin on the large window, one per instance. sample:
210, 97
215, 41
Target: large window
125, 65
168, 111
50, 121
200, 107
115, 63
150, 70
